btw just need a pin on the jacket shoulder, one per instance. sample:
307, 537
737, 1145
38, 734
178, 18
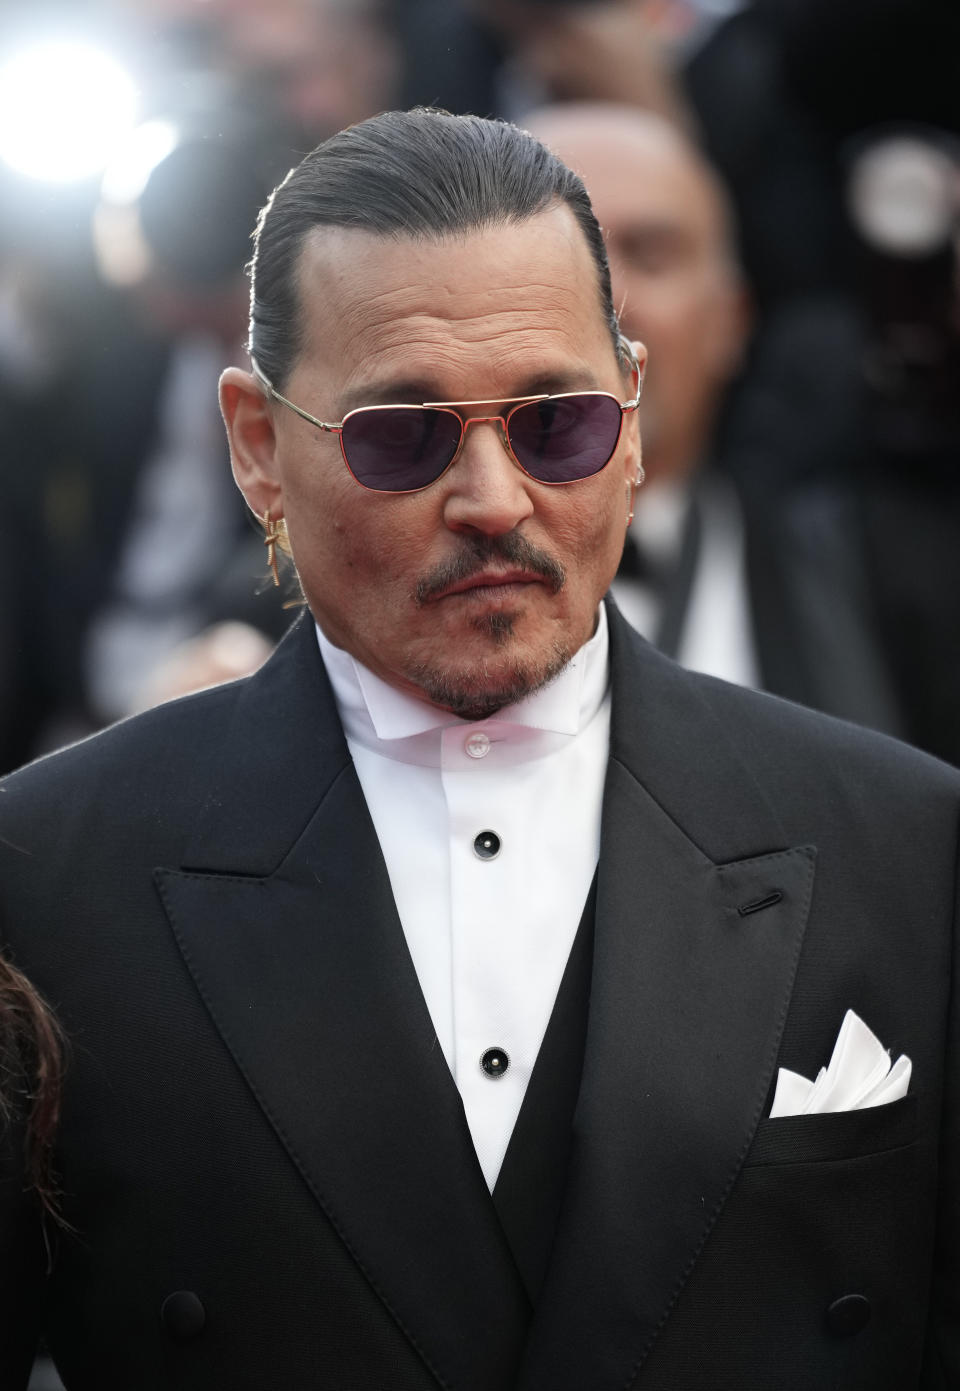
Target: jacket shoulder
722, 753
151, 767
798, 735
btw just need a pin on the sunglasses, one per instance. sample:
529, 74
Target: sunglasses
554, 439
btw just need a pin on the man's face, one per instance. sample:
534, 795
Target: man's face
673, 281
480, 587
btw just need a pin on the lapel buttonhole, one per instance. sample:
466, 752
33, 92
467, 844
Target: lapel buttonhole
758, 904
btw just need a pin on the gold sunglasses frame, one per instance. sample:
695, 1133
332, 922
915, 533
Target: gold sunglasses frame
452, 408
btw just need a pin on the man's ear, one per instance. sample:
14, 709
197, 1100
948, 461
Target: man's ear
640, 349
632, 457
253, 443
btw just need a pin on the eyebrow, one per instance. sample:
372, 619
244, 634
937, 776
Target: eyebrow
411, 391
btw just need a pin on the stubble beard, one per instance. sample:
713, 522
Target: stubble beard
480, 692
477, 692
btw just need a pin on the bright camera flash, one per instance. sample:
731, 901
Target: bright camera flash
64, 107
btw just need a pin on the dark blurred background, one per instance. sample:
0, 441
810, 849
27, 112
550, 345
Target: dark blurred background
138, 138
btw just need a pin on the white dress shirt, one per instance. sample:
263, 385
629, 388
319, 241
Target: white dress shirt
489, 937
717, 633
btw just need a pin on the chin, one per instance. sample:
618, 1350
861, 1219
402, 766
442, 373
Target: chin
477, 690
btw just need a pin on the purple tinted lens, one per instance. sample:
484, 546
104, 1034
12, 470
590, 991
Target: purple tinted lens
397, 449
565, 438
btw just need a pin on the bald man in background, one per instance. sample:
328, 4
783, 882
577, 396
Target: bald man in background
775, 598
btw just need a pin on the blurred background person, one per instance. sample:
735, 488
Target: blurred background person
127, 537
778, 600
186, 557
122, 480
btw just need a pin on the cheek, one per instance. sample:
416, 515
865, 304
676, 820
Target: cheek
590, 533
382, 544
328, 544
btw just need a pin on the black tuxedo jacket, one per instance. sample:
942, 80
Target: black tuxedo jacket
265, 1161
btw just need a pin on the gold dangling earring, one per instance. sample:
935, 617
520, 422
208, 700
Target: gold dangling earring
632, 492
271, 534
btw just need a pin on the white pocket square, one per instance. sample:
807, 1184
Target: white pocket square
859, 1074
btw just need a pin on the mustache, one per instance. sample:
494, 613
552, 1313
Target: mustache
475, 556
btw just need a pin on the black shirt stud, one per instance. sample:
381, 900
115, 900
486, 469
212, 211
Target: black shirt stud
486, 846
495, 1062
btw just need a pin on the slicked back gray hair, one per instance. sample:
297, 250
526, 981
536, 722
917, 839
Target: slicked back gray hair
420, 173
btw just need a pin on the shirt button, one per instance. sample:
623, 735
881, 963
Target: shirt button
477, 744
494, 1062
486, 846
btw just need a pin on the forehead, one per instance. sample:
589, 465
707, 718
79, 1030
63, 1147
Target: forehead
452, 312
641, 172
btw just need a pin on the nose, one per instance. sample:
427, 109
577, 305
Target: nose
486, 491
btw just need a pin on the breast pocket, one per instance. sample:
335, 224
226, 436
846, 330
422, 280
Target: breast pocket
839, 1203
828, 1214
836, 1135
824, 1208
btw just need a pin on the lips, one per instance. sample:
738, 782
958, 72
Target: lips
489, 579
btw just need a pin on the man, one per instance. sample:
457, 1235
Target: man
774, 596
428, 990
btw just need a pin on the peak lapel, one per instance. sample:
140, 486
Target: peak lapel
688, 1005
299, 955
